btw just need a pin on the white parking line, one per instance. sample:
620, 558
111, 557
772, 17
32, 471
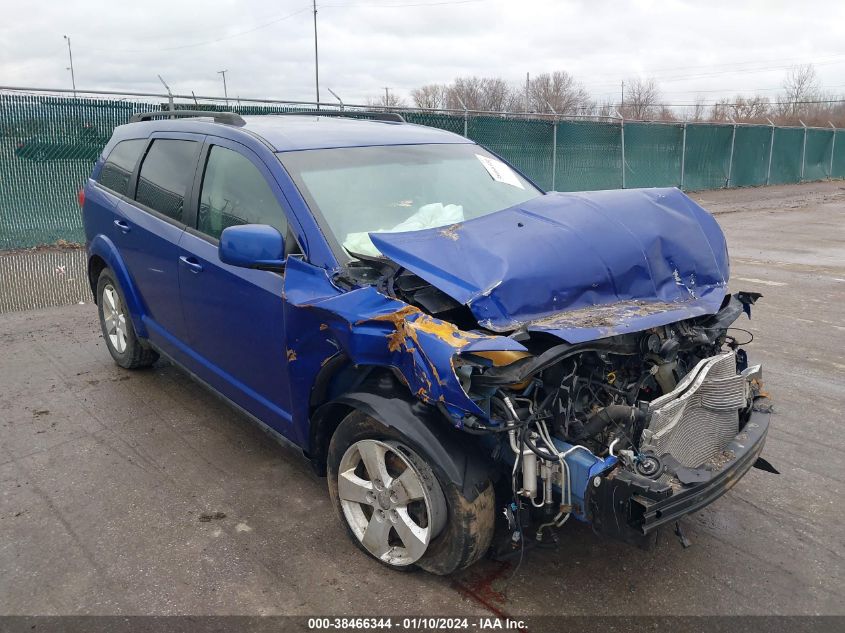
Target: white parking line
765, 282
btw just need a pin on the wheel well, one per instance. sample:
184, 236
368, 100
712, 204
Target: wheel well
95, 266
327, 415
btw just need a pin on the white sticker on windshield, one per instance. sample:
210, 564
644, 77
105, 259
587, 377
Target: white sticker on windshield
499, 171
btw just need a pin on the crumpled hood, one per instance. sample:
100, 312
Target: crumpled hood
581, 266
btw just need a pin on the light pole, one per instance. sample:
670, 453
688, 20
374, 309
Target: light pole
316, 58
225, 90
70, 55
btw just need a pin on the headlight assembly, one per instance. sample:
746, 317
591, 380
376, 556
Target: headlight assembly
468, 365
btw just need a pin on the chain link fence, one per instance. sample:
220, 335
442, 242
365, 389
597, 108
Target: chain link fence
48, 144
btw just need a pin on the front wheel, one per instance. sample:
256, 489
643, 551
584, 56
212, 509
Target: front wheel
396, 507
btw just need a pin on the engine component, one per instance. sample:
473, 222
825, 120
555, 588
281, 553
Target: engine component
614, 414
696, 420
649, 466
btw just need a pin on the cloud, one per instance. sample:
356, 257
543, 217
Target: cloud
368, 44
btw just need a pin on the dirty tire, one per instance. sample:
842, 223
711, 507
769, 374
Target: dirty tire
469, 526
134, 355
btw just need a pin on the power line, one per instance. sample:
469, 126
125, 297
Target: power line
769, 103
206, 42
353, 5
275, 21
795, 61
690, 77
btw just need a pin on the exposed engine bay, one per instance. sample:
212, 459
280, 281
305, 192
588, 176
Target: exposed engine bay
605, 376
661, 405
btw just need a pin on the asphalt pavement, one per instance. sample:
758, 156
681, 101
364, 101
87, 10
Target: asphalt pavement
142, 493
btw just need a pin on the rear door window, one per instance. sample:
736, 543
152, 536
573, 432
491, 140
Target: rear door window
117, 170
235, 192
166, 173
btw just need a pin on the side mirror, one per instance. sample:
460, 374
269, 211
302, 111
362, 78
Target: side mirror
252, 246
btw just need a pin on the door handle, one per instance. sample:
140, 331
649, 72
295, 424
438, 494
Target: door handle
123, 226
191, 263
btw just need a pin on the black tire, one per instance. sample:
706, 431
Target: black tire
134, 355
469, 525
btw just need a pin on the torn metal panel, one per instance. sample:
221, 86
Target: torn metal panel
373, 329
627, 260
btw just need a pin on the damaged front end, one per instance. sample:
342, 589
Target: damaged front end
629, 432
585, 341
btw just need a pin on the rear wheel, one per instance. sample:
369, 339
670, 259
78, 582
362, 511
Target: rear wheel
396, 507
116, 324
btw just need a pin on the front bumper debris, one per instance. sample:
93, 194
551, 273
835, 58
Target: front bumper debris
630, 507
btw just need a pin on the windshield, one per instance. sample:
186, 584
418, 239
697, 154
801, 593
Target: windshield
354, 191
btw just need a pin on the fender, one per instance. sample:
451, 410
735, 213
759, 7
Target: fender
105, 248
453, 452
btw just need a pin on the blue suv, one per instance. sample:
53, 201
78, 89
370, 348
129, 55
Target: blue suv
469, 360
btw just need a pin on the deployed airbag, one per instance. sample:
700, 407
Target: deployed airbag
429, 216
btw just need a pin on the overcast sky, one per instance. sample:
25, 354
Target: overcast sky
707, 48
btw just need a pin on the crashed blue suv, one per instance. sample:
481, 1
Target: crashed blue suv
469, 360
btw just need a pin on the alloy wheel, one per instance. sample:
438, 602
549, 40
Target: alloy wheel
391, 500
114, 318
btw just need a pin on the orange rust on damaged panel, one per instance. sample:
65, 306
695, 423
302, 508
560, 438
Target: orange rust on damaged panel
394, 317
291, 355
608, 315
436, 374
409, 321
395, 340
445, 331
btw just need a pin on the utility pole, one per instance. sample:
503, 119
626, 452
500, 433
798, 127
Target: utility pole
316, 57
386, 96
70, 55
622, 107
225, 89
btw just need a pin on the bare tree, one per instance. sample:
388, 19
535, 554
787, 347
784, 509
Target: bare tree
496, 94
432, 96
605, 108
666, 113
698, 110
750, 109
480, 93
800, 85
721, 110
466, 92
389, 100
641, 99
559, 90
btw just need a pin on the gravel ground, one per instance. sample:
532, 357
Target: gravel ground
104, 475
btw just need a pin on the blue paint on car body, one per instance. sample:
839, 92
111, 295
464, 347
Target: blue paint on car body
574, 267
581, 266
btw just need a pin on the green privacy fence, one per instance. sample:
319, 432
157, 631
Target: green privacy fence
49, 143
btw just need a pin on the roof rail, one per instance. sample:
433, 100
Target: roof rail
229, 118
395, 117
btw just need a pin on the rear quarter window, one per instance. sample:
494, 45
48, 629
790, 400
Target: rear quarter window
165, 175
117, 170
